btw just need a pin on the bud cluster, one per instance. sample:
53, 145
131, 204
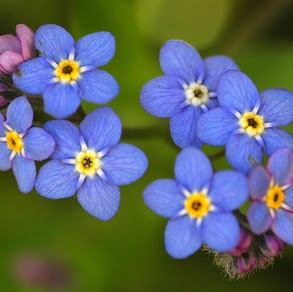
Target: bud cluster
252, 252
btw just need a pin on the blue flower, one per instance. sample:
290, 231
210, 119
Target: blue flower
271, 191
187, 89
66, 71
248, 121
199, 204
20, 144
90, 160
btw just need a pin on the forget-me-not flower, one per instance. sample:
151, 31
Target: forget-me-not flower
65, 72
199, 203
20, 144
248, 121
187, 89
90, 161
271, 191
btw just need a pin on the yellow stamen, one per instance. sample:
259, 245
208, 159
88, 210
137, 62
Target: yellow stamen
197, 205
88, 162
68, 71
275, 197
14, 141
252, 124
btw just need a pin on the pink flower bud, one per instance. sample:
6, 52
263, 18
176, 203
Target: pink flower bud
272, 246
243, 244
14, 50
245, 263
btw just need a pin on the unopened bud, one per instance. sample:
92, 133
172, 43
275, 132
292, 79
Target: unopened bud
245, 263
272, 246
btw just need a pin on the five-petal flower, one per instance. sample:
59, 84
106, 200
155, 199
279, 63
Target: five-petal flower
187, 89
20, 144
90, 161
271, 191
247, 121
199, 203
66, 71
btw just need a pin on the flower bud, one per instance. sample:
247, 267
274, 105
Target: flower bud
272, 246
245, 263
14, 50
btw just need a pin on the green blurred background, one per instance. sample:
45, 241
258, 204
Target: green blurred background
127, 253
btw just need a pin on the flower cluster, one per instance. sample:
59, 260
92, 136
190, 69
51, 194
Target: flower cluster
208, 101
88, 160
213, 102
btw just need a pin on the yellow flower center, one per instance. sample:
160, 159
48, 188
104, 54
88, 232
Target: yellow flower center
275, 197
88, 162
68, 71
252, 124
197, 205
14, 141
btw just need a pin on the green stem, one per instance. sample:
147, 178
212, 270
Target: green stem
217, 155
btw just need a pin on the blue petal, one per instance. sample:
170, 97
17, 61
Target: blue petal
3, 130
20, 115
57, 180
163, 96
193, 169
216, 126
280, 165
98, 86
95, 49
101, 129
25, 173
242, 151
67, 139
229, 190
178, 58
53, 41
61, 100
259, 182
38, 144
259, 217
220, 231
182, 237
237, 92
275, 138
99, 198
164, 197
33, 76
277, 106
289, 196
124, 164
212, 103
215, 66
5, 153
183, 127
283, 225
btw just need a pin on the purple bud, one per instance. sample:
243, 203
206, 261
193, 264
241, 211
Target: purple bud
243, 244
245, 263
3, 100
14, 50
272, 246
